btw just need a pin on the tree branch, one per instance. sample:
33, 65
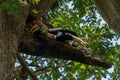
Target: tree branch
46, 47
22, 62
42, 69
42, 7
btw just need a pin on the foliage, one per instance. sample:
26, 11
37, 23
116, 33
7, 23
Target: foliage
15, 7
96, 32
12, 7
34, 1
81, 5
86, 22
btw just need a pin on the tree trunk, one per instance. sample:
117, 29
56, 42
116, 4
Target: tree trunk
11, 29
110, 11
10, 33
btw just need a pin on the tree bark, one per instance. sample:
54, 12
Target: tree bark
11, 29
41, 45
110, 11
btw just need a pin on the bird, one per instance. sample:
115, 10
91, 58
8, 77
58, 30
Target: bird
59, 34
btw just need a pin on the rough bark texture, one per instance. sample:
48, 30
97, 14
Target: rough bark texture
46, 47
110, 11
10, 32
11, 28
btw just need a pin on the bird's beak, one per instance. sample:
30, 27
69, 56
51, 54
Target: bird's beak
35, 28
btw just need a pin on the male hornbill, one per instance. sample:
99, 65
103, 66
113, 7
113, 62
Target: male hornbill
57, 33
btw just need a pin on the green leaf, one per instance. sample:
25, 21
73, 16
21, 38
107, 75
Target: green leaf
82, 66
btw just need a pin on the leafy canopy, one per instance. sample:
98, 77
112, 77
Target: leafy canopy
82, 17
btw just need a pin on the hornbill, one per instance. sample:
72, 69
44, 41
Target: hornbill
59, 34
